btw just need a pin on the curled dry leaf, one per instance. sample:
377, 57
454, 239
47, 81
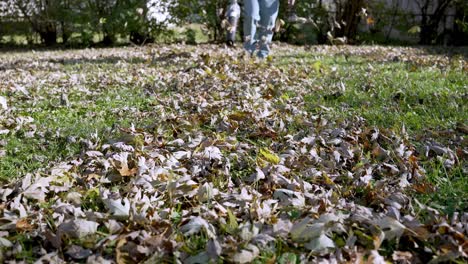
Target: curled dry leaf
320, 245
391, 227
77, 252
78, 228
195, 225
5, 242
118, 208
246, 255
3, 103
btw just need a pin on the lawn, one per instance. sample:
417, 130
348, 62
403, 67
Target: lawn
199, 153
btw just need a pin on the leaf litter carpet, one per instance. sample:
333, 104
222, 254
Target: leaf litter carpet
233, 168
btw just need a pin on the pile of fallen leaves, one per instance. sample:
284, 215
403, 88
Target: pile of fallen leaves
233, 169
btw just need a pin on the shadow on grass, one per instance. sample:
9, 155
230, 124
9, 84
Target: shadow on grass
4, 48
100, 60
450, 51
27, 63
376, 55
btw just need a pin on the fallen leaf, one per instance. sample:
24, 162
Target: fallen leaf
391, 227
269, 156
320, 244
212, 153
78, 228
246, 255
5, 242
118, 208
24, 225
201, 257
214, 248
195, 225
3, 103
77, 252
299, 228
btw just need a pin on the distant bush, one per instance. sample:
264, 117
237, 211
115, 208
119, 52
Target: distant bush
80, 21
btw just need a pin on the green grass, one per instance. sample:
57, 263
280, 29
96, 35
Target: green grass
422, 99
390, 95
451, 193
60, 128
194, 244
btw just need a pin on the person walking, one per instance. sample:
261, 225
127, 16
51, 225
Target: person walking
233, 13
259, 23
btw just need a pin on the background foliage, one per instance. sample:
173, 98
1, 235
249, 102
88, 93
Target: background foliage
110, 22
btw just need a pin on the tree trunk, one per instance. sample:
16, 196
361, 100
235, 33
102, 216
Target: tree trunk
427, 34
48, 33
65, 33
349, 14
430, 23
396, 7
459, 35
140, 38
108, 40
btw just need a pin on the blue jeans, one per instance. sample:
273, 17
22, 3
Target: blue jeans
259, 22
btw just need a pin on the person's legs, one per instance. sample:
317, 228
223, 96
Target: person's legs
251, 18
268, 13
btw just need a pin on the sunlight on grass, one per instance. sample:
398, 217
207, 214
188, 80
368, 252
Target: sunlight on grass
395, 95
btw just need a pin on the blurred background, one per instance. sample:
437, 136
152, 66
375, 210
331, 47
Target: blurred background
77, 23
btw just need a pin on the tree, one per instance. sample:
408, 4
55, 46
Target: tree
47, 18
306, 22
347, 17
460, 32
206, 12
394, 13
114, 17
336, 18
40, 14
432, 12
52, 19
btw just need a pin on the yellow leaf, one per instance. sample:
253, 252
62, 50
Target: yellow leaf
231, 225
317, 65
269, 156
414, 30
208, 71
327, 179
